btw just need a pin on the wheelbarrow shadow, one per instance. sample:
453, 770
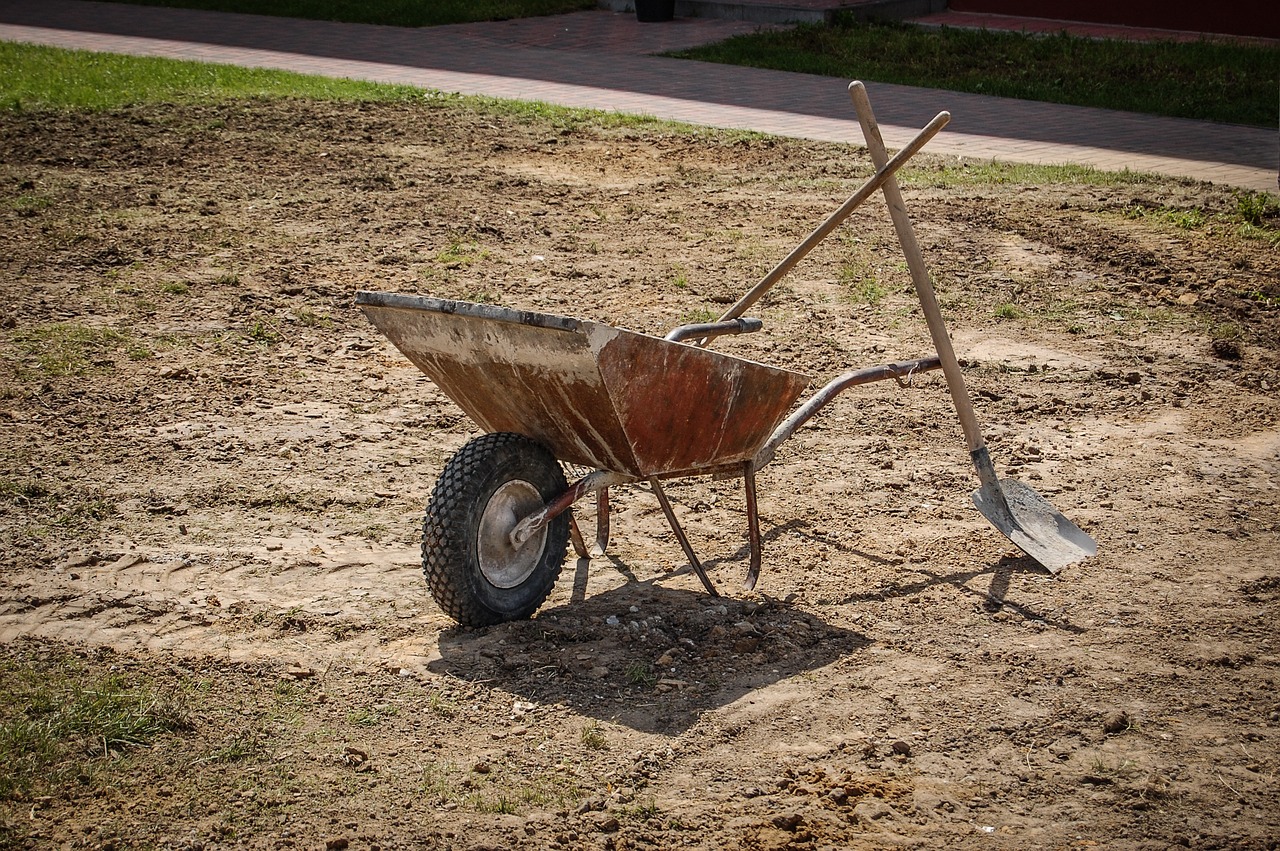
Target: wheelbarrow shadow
653, 658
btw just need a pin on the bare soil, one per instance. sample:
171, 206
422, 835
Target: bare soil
213, 469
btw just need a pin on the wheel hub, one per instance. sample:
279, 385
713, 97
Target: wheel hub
502, 564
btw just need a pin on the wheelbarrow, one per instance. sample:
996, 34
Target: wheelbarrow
549, 390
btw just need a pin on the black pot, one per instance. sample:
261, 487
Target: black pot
649, 11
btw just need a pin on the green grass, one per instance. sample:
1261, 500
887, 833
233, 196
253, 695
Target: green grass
593, 737
397, 13
1255, 215
35, 77
1206, 80
57, 721
68, 348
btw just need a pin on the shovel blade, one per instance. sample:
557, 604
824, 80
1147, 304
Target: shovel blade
1033, 525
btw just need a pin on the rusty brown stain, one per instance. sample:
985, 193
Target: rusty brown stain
686, 408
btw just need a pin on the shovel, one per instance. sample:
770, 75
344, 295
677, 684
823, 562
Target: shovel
1022, 515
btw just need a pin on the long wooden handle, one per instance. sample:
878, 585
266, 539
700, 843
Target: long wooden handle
919, 274
884, 172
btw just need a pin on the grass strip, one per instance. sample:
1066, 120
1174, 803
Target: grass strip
38, 77
397, 13
1204, 80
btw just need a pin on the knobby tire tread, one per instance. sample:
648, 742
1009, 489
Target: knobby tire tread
446, 551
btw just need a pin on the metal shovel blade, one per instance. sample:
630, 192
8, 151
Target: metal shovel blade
1036, 527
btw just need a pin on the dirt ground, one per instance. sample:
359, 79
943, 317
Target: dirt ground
213, 471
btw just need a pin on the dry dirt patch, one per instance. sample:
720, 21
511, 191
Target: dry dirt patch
213, 468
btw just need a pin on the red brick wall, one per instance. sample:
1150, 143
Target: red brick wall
1232, 17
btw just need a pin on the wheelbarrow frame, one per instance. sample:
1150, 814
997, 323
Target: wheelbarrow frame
635, 407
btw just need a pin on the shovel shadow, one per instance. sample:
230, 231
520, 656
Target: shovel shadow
994, 599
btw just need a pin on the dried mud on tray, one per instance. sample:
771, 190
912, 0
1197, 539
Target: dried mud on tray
213, 471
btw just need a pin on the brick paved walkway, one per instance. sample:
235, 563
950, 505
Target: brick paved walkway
599, 60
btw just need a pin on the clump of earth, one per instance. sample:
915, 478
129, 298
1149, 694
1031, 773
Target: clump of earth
213, 473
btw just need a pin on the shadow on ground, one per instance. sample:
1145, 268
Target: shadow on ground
652, 658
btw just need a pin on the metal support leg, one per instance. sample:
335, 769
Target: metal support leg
575, 535
602, 520
680, 536
753, 524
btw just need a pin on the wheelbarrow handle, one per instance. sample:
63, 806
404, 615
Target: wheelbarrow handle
883, 174
708, 330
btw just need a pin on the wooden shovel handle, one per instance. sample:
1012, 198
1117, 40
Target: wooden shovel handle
919, 273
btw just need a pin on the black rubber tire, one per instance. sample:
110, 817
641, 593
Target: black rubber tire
451, 558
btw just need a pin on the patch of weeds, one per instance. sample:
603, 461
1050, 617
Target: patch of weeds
244, 744
642, 812
1226, 331
28, 205
1258, 297
26, 492
439, 781
49, 508
862, 288
438, 704
264, 332
1111, 769
1187, 219
548, 789
227, 279
372, 716
1008, 310
461, 254
499, 805
480, 297
593, 737
65, 348
698, 316
175, 288
80, 512
58, 720
640, 674
289, 693
1226, 340
311, 319
680, 278
1255, 208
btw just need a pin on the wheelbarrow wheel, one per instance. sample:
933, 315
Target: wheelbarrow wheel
472, 569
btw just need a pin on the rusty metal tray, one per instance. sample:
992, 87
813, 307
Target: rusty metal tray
594, 394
